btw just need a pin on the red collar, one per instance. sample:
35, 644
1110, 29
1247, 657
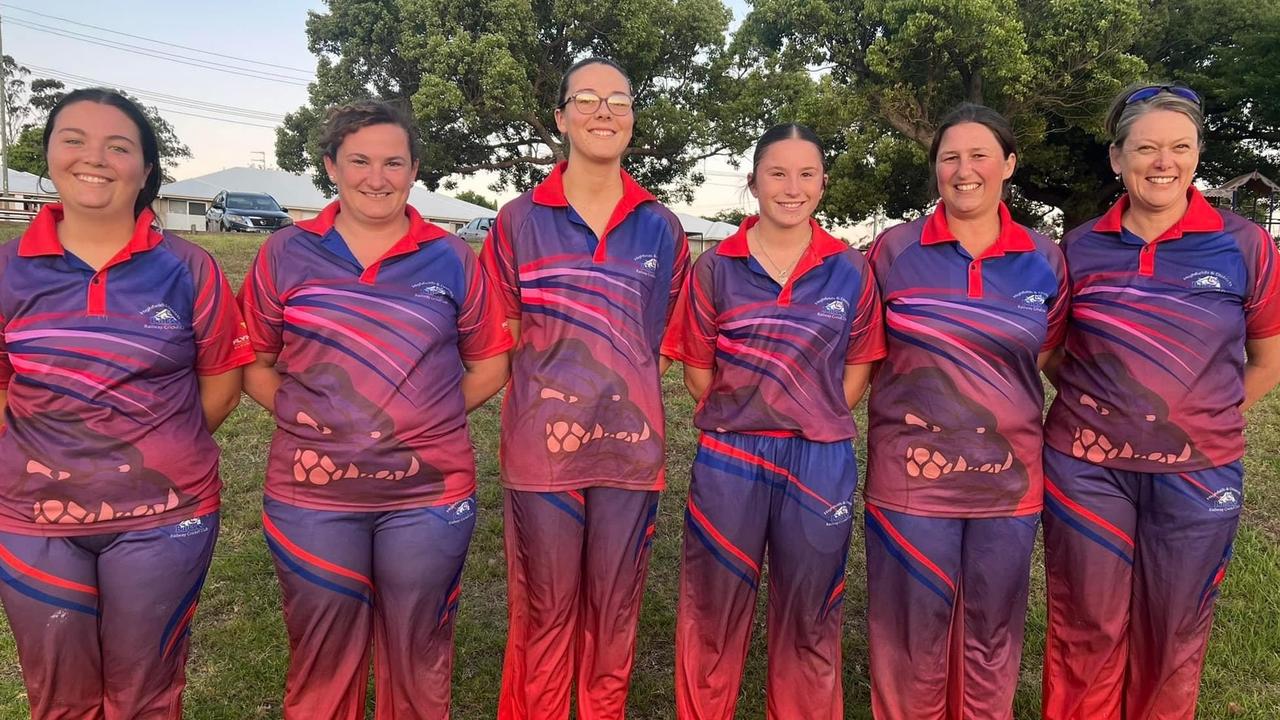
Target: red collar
41, 237
1013, 237
823, 244
551, 191
420, 231
1199, 217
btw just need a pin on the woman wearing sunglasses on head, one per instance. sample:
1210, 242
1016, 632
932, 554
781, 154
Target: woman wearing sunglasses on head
375, 335
974, 305
777, 330
120, 354
588, 266
1174, 333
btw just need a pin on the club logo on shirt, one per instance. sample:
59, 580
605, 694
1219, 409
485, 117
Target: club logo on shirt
840, 513
1031, 300
833, 307
1208, 279
433, 291
189, 527
647, 265
1225, 500
461, 511
161, 317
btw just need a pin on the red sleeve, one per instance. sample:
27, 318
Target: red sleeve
482, 324
222, 343
499, 262
866, 332
1262, 308
262, 305
1061, 302
6, 370
679, 274
692, 338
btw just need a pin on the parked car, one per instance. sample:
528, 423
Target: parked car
476, 230
245, 212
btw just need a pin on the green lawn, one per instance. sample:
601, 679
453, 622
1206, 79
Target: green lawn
238, 658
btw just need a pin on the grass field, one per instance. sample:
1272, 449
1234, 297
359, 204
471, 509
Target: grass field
238, 654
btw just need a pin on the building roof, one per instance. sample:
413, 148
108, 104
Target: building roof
294, 191
708, 229
1255, 181
28, 184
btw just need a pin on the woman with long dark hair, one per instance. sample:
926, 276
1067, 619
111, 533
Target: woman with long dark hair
121, 354
778, 330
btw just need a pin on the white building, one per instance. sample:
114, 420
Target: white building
181, 205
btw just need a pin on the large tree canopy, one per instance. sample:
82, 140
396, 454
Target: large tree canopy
481, 78
893, 68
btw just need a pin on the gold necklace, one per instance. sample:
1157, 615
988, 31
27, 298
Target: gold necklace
783, 273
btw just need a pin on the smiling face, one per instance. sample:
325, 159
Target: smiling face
1158, 161
95, 159
971, 169
788, 182
599, 136
374, 172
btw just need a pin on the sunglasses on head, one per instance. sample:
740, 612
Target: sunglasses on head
1151, 91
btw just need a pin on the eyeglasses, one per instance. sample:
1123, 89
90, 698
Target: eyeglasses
1151, 91
588, 102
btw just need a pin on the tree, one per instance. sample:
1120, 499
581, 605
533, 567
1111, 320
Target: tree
733, 217
481, 78
891, 68
476, 198
26, 151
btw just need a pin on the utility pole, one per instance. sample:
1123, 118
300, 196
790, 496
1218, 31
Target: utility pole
4, 119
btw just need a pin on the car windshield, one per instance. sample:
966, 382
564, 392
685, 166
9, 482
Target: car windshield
251, 202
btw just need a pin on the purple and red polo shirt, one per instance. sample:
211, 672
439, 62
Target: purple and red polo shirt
955, 410
584, 407
778, 352
104, 430
370, 414
1153, 375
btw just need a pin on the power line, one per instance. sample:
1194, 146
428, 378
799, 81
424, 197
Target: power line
163, 102
11, 6
159, 55
158, 96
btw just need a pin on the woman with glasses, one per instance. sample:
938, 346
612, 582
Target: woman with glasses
777, 331
974, 305
1174, 333
588, 266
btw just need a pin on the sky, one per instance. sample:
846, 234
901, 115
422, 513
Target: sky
244, 64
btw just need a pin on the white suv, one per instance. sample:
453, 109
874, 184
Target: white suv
476, 230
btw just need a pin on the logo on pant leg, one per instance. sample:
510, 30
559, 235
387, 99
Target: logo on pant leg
461, 510
1224, 500
189, 527
841, 512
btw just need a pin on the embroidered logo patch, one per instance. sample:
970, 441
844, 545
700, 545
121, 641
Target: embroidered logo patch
647, 265
1031, 300
161, 317
1208, 279
433, 291
833, 307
